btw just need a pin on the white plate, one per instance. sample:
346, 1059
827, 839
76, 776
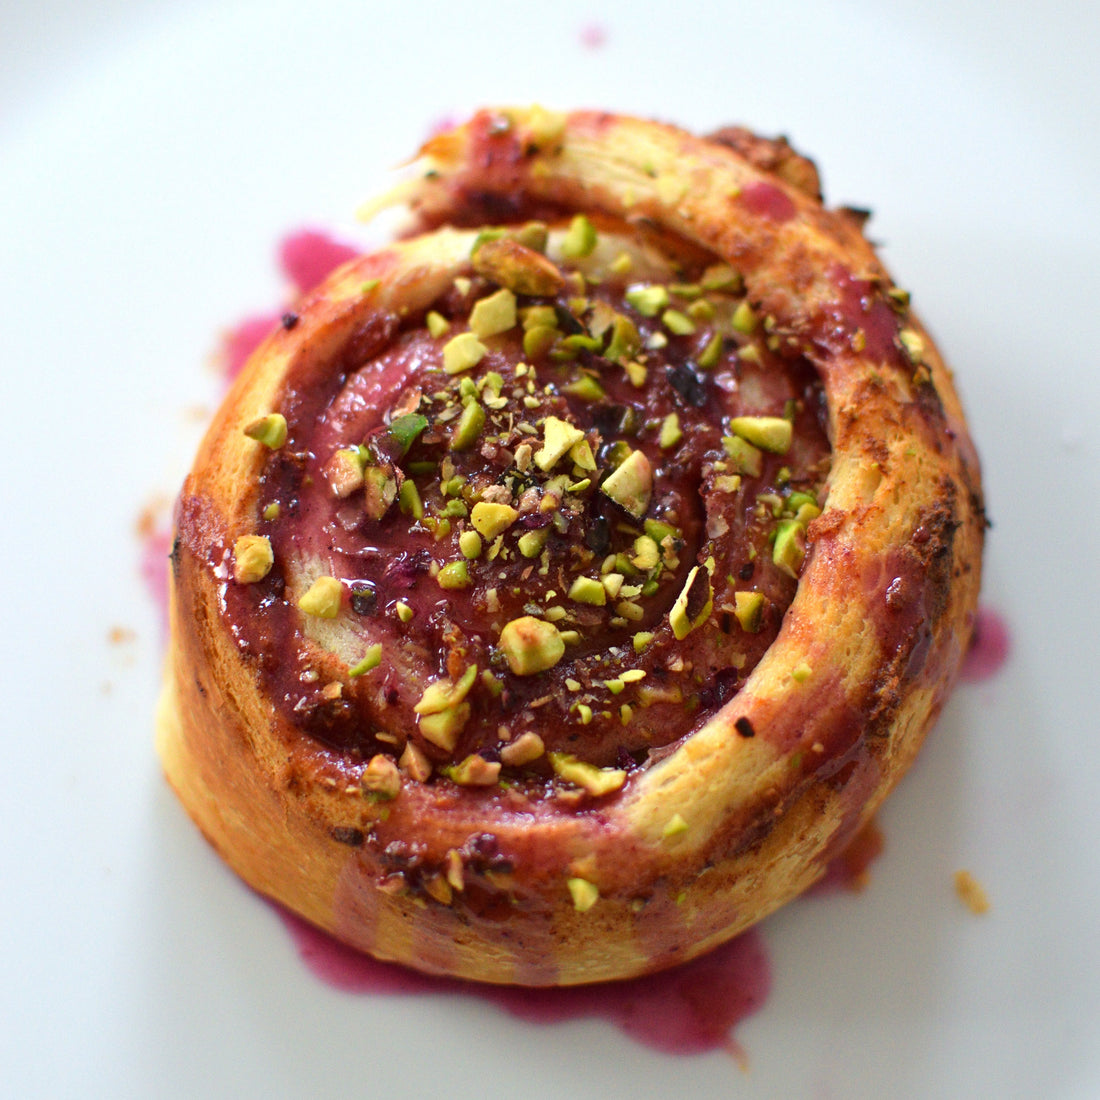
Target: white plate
150, 159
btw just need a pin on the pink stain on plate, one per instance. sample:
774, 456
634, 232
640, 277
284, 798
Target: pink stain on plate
593, 36
690, 1009
989, 648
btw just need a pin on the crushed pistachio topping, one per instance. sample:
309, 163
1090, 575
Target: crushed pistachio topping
269, 430
462, 352
381, 778
252, 558
596, 781
531, 645
323, 598
585, 894
371, 660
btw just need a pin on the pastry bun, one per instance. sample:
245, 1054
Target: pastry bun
562, 587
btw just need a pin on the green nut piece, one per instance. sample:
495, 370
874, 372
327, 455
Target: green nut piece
380, 491
437, 323
323, 598
585, 894
462, 352
789, 550
406, 429
769, 433
453, 575
442, 727
493, 315
671, 432
679, 324
269, 430
596, 781
531, 543
558, 438
531, 645
631, 484
587, 590
408, 499
252, 558
475, 771
580, 239
749, 610
625, 339
648, 300
490, 519
519, 268
469, 543
371, 660
586, 388
538, 340
466, 431
744, 457
693, 606
744, 320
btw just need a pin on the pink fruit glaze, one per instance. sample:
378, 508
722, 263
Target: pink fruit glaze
690, 1009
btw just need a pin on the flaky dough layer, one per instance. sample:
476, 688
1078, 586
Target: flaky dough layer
726, 824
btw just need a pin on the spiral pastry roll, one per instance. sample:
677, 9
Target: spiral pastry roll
562, 586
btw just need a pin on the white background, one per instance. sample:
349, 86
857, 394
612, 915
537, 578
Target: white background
151, 156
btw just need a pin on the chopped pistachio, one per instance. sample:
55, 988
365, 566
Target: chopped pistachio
693, 606
675, 826
647, 552
323, 598
580, 239
912, 343
531, 543
679, 324
380, 491
269, 430
743, 320
749, 610
727, 483
631, 484
671, 433
442, 727
710, 355
584, 713
252, 558
469, 543
518, 268
720, 277
523, 750
632, 675
371, 660
531, 645
494, 314
406, 429
468, 427
344, 471
587, 590
558, 437
636, 372
462, 352
271, 511
596, 781
642, 640
475, 771
404, 612
581, 454
453, 575
491, 519
790, 547
625, 339
381, 778
746, 459
801, 672
769, 433
612, 583
415, 764
585, 894
408, 499
441, 694
585, 387
437, 323
647, 299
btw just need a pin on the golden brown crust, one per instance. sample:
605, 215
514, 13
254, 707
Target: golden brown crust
731, 821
